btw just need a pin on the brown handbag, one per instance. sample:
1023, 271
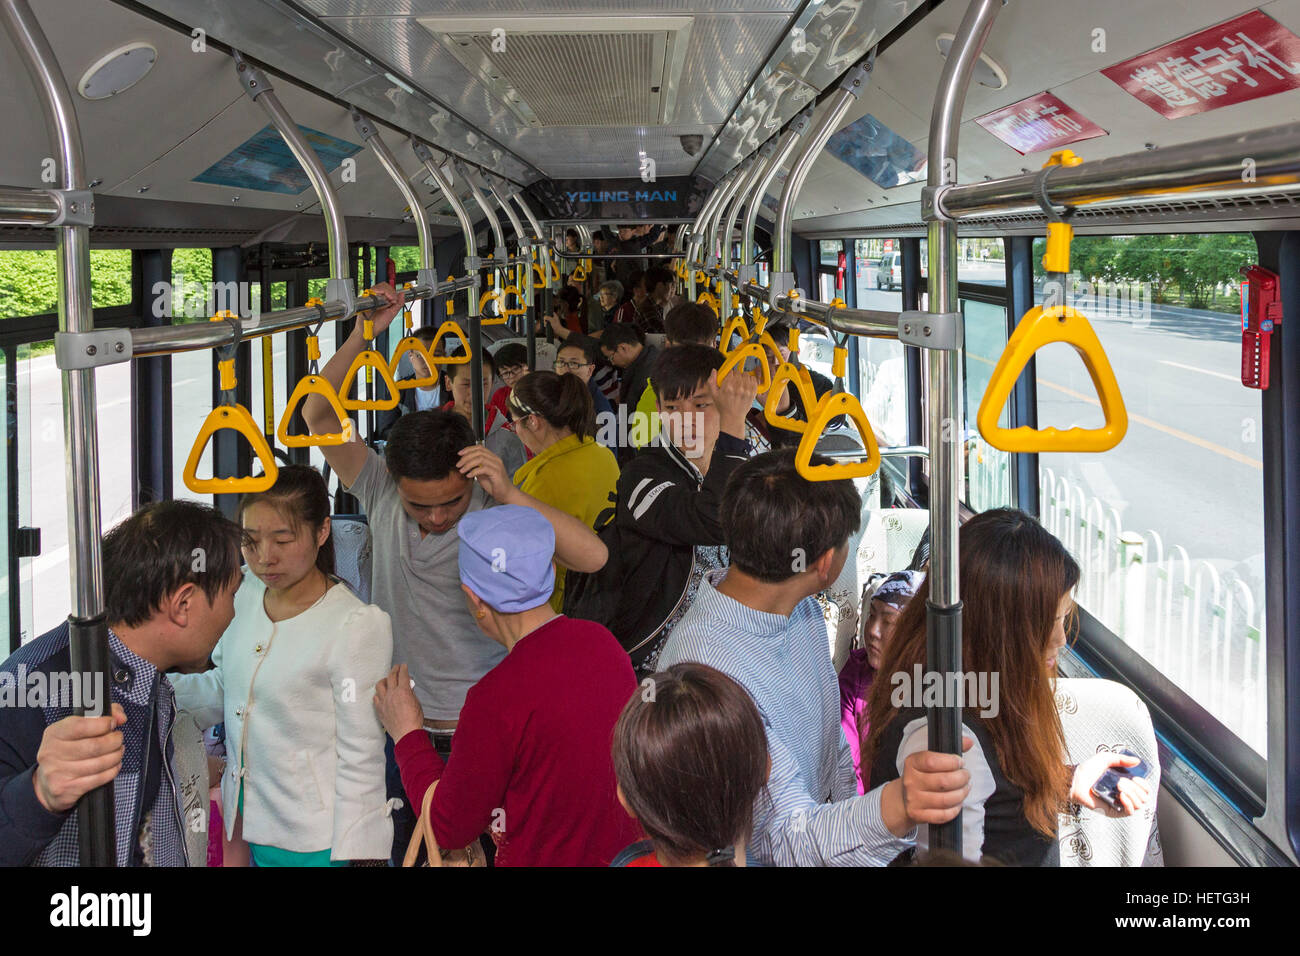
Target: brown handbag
472, 855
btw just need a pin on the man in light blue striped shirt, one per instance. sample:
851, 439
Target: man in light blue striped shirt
759, 623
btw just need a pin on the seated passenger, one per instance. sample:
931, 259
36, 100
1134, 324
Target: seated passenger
418, 399
688, 324
165, 611
791, 403
699, 725
553, 418
431, 474
511, 361
659, 283
860, 669
568, 314
531, 761
612, 307
1016, 584
498, 438
759, 622
305, 769
579, 355
668, 532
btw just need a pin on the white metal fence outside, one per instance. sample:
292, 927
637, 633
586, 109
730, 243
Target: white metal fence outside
1200, 626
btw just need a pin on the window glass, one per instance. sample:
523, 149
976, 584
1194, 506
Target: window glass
988, 471
881, 368
1168, 525
829, 251
29, 280
191, 371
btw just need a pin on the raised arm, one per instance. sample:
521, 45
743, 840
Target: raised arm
576, 546
348, 459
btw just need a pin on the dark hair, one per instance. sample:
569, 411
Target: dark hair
512, 353
562, 400
621, 333
300, 494
589, 346
571, 296
426, 334
425, 446
162, 547
691, 322
780, 334
634, 278
691, 761
1012, 572
570, 233
451, 368
656, 275
766, 500
681, 369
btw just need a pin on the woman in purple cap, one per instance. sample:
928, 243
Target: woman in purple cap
536, 771
881, 613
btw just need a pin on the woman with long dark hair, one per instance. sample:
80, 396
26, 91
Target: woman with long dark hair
1017, 583
292, 678
692, 723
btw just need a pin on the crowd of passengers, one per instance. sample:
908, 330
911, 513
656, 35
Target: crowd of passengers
583, 649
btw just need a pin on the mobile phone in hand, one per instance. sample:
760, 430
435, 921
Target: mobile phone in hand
1107, 786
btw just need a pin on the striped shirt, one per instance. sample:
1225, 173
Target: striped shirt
811, 814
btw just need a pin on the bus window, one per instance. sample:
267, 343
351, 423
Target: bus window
191, 371
1168, 527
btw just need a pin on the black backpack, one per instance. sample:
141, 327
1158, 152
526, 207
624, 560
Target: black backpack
595, 595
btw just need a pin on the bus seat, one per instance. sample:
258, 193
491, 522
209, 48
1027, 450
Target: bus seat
657, 339
890, 539
191, 764
1095, 715
840, 602
351, 537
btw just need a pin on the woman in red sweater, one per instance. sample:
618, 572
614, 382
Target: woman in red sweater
536, 771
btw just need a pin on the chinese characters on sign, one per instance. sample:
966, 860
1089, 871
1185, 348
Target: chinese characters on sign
1242, 59
1039, 122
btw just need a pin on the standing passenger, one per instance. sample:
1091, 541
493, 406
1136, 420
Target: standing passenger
553, 418
431, 475
305, 767
759, 622
498, 438
697, 725
531, 763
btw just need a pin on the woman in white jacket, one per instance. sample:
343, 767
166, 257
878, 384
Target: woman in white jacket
293, 678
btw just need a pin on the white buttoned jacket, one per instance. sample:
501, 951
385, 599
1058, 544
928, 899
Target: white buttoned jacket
301, 729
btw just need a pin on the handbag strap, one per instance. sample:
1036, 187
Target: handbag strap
424, 832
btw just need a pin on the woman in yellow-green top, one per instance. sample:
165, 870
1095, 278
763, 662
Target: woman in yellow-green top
554, 418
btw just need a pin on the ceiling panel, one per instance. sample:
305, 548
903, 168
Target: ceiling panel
478, 8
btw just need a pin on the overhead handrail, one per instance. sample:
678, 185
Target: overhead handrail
411, 343
369, 359
230, 416
1044, 325
835, 403
313, 384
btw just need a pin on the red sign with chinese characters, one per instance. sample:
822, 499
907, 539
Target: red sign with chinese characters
1241, 59
1040, 122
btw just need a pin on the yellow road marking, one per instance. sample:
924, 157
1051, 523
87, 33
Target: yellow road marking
1142, 420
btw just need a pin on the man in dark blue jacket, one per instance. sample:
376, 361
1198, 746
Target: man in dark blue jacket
170, 575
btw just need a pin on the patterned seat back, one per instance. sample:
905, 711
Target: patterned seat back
351, 537
1101, 715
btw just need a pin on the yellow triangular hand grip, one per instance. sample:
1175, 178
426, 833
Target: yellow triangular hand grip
797, 376
520, 309
370, 359
313, 385
832, 405
1041, 327
449, 328
491, 295
738, 356
235, 418
734, 326
412, 344
540, 281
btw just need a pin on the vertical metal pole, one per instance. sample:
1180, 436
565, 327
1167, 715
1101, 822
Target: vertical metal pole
88, 633
544, 259
910, 251
946, 425
1019, 252
151, 393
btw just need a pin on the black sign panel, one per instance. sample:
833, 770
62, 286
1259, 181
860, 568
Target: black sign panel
677, 197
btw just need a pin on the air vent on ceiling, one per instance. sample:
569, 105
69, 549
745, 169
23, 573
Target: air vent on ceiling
542, 68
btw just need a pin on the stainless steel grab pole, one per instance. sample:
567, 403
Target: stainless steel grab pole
88, 634
850, 86
20, 206
472, 266
1209, 170
696, 237
946, 421
259, 89
369, 132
